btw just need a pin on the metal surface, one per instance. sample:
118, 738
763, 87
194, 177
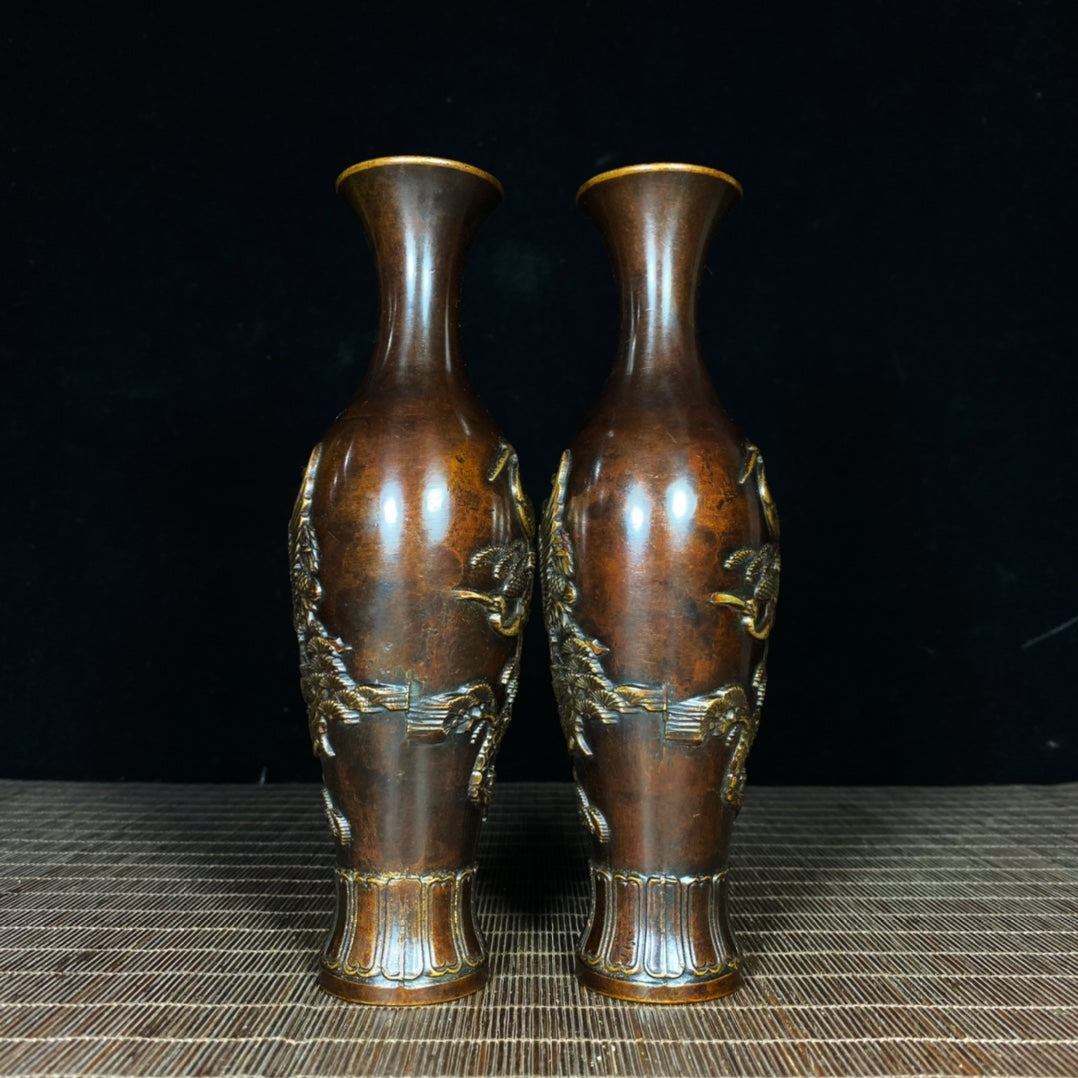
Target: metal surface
660, 563
411, 563
173, 930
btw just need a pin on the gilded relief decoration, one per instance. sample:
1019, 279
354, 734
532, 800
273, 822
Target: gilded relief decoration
509, 565
334, 699
338, 822
404, 928
585, 692
510, 568
753, 467
593, 819
759, 568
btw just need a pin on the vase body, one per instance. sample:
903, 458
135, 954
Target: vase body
660, 574
411, 559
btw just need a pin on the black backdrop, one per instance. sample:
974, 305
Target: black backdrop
186, 305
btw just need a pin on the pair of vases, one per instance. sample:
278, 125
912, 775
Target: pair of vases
412, 557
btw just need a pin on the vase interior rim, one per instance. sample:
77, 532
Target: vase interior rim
419, 159
661, 166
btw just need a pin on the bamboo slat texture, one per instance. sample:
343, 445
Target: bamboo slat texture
173, 930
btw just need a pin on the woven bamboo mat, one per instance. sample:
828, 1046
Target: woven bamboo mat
173, 930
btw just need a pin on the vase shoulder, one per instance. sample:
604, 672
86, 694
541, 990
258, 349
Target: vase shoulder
403, 511
654, 506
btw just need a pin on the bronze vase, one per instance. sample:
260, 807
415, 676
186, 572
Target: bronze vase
412, 556
660, 561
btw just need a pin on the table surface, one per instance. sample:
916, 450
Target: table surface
174, 930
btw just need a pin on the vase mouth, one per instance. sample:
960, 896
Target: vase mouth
661, 166
418, 159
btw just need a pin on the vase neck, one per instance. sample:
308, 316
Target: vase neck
419, 219
657, 224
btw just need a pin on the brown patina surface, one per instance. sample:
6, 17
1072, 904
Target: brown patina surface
660, 571
411, 568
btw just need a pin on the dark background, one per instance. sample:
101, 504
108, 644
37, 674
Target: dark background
186, 305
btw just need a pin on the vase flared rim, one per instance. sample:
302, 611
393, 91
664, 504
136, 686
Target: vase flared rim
661, 166
417, 159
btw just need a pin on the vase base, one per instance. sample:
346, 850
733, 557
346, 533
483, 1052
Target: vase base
396, 995
696, 991
404, 938
658, 937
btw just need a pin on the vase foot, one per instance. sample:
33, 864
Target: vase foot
696, 991
402, 938
386, 994
658, 937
